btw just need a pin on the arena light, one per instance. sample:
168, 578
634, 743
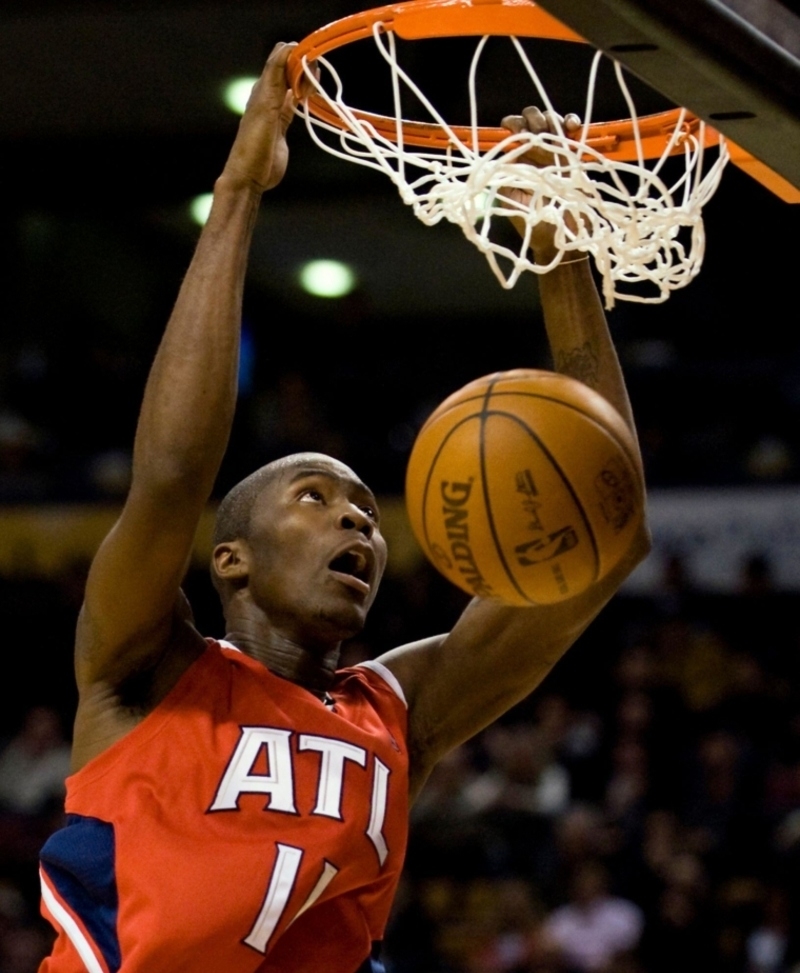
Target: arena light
200, 207
327, 278
236, 92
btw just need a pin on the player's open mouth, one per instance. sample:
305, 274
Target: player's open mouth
352, 568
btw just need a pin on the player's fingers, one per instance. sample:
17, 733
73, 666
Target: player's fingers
271, 99
287, 110
276, 63
306, 84
535, 120
572, 123
270, 88
279, 54
514, 123
555, 123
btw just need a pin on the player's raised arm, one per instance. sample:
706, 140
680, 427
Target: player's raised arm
132, 593
496, 655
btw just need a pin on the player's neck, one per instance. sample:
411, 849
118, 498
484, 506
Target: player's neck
310, 665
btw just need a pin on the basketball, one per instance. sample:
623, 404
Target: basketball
521, 486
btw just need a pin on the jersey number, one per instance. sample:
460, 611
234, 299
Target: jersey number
281, 883
278, 784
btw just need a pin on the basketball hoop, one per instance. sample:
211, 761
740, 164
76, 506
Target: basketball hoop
604, 190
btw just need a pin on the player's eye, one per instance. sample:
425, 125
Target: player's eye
371, 512
311, 496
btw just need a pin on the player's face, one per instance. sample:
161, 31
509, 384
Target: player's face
317, 551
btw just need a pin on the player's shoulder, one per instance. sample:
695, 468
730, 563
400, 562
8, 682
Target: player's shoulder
410, 664
377, 675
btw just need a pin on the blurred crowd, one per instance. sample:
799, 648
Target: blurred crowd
639, 813
75, 359
711, 436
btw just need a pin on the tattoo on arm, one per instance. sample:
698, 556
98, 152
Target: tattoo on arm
580, 363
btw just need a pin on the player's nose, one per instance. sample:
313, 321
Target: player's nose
352, 518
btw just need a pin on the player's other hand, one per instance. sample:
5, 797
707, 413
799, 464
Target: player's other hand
538, 122
259, 154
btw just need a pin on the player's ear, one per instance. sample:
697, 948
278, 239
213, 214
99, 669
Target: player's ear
231, 562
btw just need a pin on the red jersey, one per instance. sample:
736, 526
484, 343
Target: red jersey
242, 827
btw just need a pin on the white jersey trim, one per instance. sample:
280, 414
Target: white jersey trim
377, 667
388, 677
71, 929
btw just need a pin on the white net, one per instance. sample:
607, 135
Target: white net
638, 229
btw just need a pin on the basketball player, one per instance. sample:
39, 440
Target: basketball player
240, 805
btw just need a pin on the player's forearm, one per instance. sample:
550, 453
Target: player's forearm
581, 346
578, 334
190, 396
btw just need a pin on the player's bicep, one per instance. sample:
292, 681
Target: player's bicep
495, 656
131, 590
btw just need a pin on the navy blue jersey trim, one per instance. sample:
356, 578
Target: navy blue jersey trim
78, 860
373, 964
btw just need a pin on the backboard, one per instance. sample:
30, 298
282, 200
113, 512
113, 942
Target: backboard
735, 63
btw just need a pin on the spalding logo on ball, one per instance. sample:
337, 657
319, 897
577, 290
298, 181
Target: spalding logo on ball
522, 486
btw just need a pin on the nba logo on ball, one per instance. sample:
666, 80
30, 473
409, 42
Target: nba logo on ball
522, 486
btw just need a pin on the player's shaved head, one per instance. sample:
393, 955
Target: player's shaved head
235, 512
236, 508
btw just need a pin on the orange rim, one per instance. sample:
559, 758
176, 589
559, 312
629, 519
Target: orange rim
418, 19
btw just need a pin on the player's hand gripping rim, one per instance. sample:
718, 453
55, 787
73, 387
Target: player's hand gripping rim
538, 122
260, 153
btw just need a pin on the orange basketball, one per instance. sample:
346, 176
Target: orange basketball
522, 486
